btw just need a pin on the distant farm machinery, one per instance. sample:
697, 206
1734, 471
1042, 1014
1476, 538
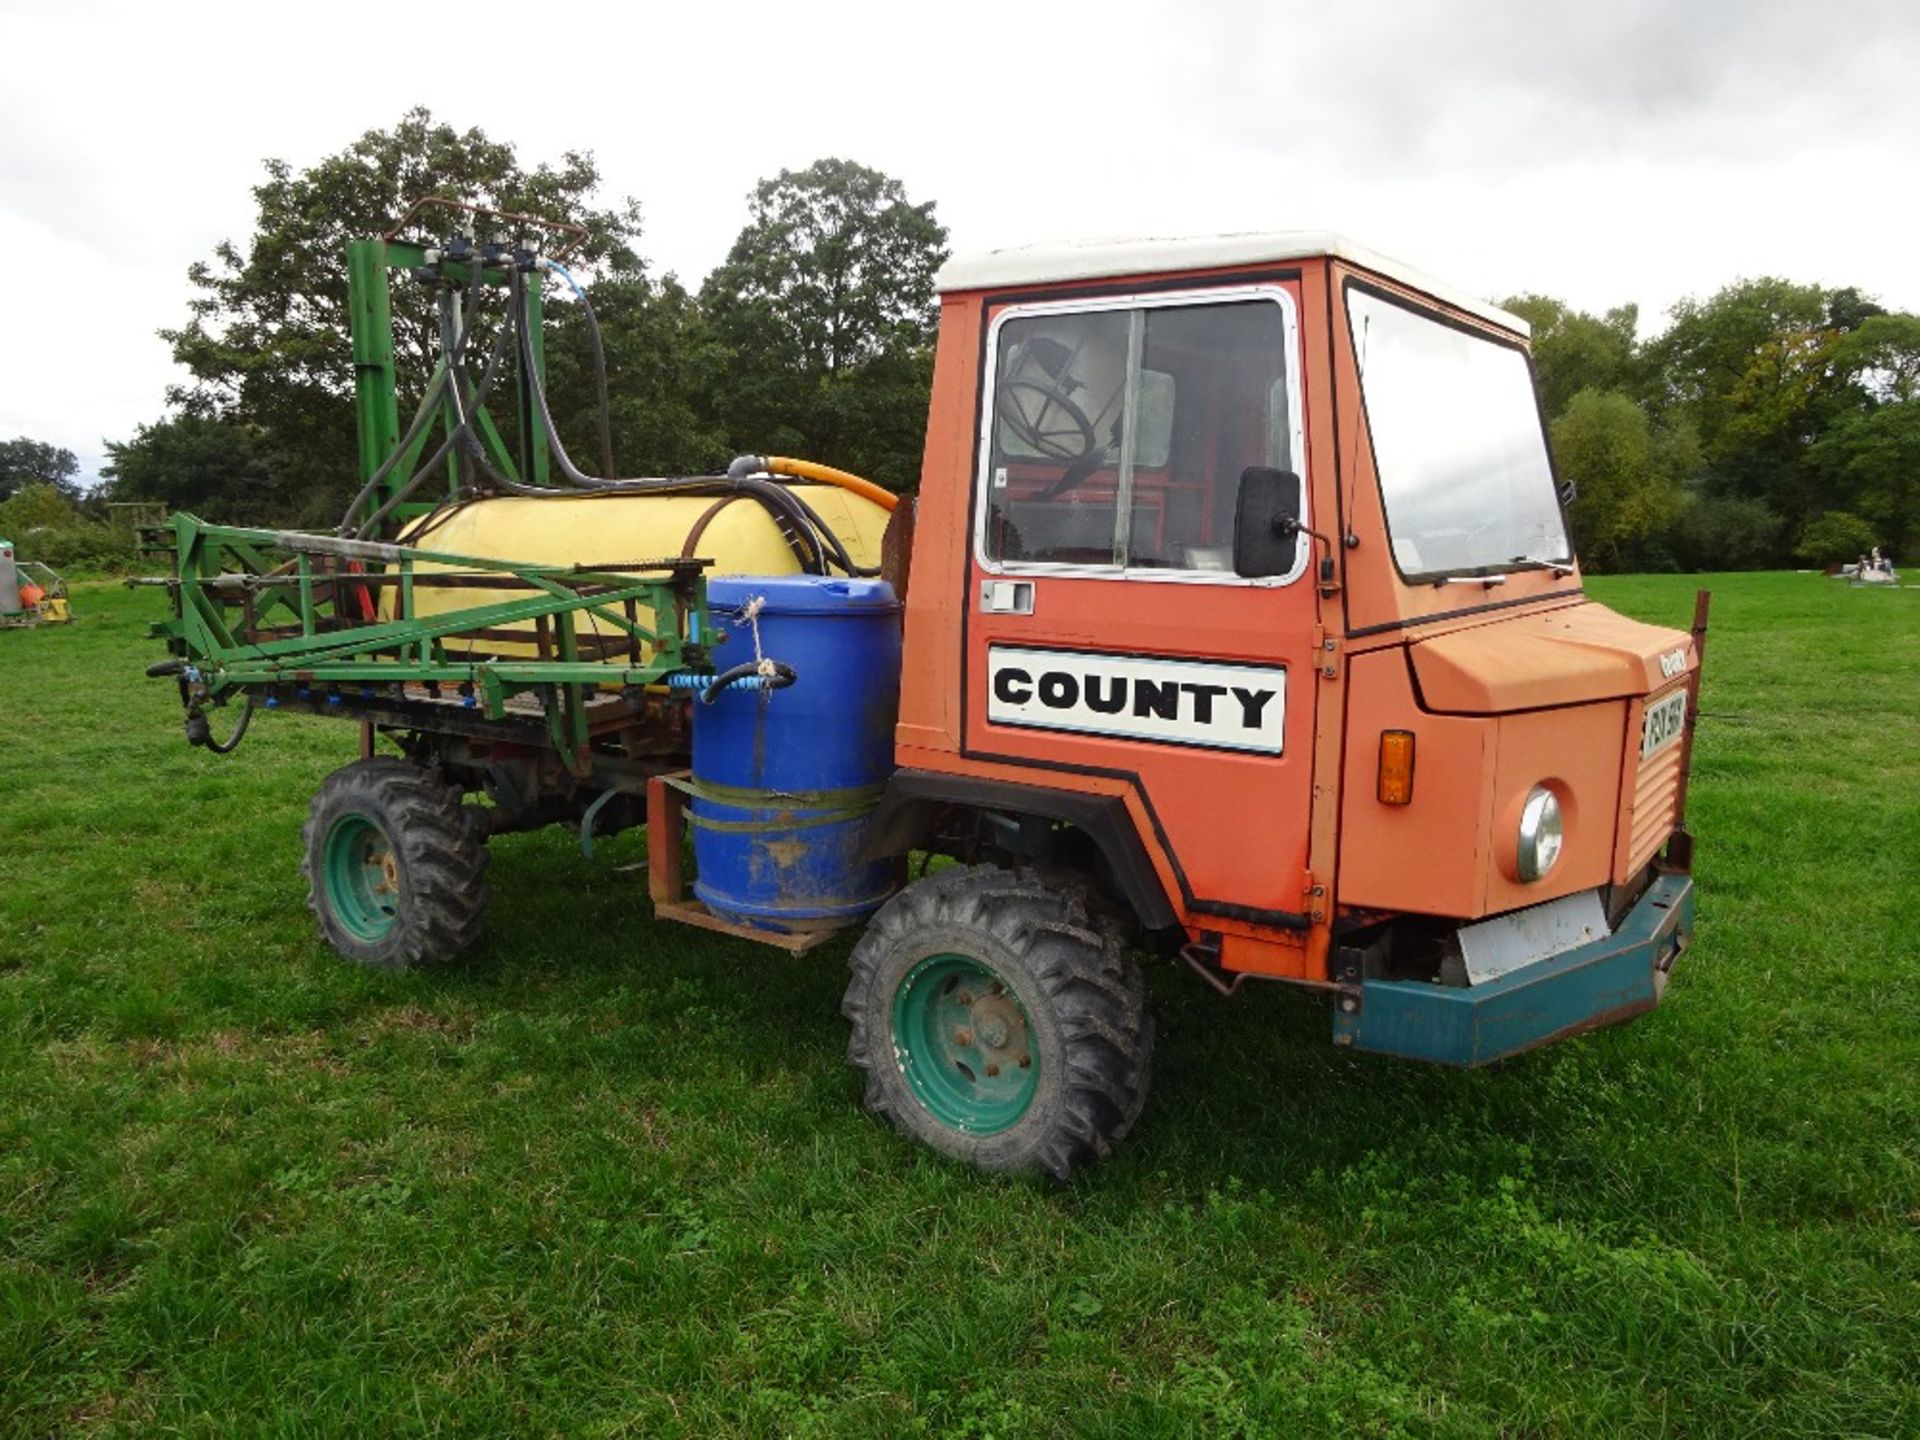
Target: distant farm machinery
30, 592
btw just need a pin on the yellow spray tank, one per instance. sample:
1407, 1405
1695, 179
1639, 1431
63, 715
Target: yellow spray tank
735, 532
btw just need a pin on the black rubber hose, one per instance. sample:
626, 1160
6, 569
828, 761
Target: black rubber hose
792, 523
429, 405
801, 525
782, 677
746, 468
456, 354
538, 389
605, 404
833, 547
232, 742
460, 432
429, 402
813, 542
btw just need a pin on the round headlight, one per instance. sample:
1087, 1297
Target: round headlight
1542, 833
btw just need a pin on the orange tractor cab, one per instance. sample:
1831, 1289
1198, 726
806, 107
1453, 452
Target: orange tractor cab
1242, 588
1235, 618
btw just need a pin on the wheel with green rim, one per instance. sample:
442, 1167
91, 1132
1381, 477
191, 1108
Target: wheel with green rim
964, 1044
361, 872
395, 865
997, 1024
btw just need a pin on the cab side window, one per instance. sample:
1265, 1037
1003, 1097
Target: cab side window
1117, 436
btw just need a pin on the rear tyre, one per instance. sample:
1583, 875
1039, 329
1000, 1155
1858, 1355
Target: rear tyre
997, 1025
395, 866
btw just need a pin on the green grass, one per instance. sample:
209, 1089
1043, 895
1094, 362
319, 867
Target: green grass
612, 1178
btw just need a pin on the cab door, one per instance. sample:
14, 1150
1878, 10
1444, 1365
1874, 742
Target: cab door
1107, 632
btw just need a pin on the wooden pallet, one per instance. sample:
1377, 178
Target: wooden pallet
667, 882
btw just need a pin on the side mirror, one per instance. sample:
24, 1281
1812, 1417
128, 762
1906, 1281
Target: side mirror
1266, 522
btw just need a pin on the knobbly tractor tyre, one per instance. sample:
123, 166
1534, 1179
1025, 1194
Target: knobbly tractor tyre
997, 1024
395, 866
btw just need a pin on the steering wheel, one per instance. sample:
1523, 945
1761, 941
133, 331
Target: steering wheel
1069, 437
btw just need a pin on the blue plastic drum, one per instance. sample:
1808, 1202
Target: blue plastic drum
786, 781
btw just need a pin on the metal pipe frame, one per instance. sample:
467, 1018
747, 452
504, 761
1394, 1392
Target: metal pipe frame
335, 636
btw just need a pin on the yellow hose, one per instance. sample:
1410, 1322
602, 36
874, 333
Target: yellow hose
827, 475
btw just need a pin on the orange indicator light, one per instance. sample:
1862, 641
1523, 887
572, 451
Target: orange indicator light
1396, 767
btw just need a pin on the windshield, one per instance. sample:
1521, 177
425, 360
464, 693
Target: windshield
1457, 442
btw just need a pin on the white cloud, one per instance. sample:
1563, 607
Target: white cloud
1635, 151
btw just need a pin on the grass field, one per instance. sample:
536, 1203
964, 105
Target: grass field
612, 1178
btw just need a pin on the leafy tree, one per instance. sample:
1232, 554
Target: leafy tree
1627, 492
1848, 309
1705, 354
1834, 538
662, 362
1873, 459
1882, 354
1781, 400
1792, 391
1723, 532
266, 340
1753, 370
824, 315
214, 468
27, 462
34, 506
1800, 397
1575, 351
45, 525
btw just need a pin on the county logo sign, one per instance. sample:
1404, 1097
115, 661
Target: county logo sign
1138, 697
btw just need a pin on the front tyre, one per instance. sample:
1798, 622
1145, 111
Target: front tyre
395, 866
995, 1023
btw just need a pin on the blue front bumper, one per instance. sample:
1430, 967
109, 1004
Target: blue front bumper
1598, 984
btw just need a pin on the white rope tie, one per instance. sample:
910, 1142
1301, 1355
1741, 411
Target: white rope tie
750, 612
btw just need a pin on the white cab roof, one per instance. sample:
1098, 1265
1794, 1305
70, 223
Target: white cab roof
1046, 264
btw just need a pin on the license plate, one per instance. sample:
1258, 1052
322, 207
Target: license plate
1664, 721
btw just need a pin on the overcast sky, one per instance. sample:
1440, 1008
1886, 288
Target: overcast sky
1628, 150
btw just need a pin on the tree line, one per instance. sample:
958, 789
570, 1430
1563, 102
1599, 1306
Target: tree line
813, 336
1768, 424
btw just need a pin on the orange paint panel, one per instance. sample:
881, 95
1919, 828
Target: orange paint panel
1649, 794
1234, 821
1282, 959
1564, 656
1451, 851
1427, 856
930, 670
1575, 753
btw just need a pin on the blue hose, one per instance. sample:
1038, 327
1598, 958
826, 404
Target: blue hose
566, 275
746, 674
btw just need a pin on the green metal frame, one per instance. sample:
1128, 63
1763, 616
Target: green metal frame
370, 267
313, 647
292, 626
